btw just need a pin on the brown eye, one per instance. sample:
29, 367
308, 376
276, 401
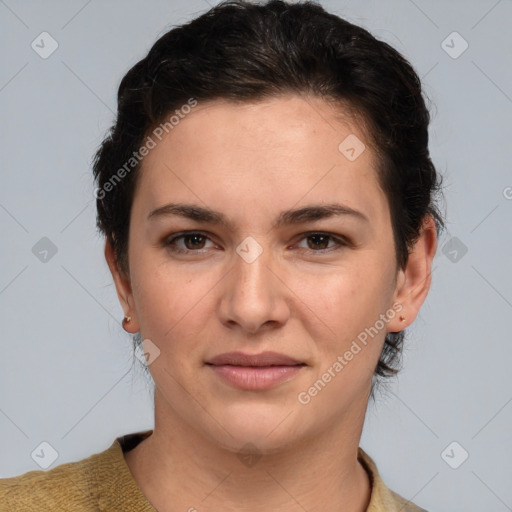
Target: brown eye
319, 242
194, 241
187, 242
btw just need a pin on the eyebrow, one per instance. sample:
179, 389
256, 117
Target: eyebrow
288, 217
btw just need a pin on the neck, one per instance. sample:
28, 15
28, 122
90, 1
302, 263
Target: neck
178, 468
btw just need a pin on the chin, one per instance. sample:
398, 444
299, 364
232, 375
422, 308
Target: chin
267, 427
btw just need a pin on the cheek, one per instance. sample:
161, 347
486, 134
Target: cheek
350, 338
347, 300
169, 302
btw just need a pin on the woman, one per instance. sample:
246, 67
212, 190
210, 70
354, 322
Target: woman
268, 205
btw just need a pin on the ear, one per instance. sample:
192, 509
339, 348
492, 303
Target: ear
123, 287
413, 282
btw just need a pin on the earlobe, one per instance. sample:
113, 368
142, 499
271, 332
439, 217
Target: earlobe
413, 282
123, 288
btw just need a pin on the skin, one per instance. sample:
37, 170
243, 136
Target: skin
250, 162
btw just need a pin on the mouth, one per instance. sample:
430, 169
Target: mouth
254, 372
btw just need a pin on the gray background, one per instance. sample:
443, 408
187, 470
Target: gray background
66, 374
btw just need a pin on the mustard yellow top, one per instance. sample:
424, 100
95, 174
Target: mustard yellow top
103, 482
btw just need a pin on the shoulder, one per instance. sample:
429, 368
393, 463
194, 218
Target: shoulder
382, 498
73, 486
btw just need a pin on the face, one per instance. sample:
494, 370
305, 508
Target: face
263, 272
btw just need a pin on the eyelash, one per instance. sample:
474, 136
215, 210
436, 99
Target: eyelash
169, 243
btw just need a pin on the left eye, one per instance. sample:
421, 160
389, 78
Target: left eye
320, 241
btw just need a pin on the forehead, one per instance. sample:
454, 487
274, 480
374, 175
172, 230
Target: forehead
284, 149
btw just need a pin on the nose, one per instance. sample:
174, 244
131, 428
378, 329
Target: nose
254, 296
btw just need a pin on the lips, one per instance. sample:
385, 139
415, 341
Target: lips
254, 372
258, 360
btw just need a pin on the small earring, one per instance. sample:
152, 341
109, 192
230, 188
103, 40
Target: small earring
127, 320
402, 318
